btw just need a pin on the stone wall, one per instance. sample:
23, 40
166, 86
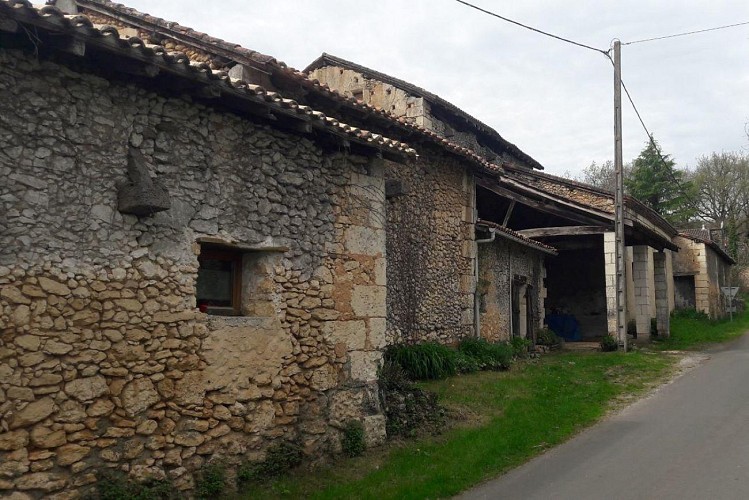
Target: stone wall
500, 262
431, 251
376, 93
710, 273
104, 359
402, 104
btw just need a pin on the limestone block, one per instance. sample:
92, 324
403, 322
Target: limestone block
377, 335
13, 295
70, 412
45, 379
364, 365
359, 240
346, 405
45, 481
261, 418
324, 378
380, 272
44, 437
21, 315
138, 396
190, 389
189, 438
87, 389
32, 413
53, 287
13, 440
351, 333
368, 301
374, 430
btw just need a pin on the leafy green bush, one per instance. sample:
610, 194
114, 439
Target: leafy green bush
210, 481
609, 343
465, 363
114, 485
488, 355
353, 443
520, 346
425, 361
548, 338
279, 458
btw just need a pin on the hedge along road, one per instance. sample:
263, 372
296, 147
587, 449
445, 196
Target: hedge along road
688, 440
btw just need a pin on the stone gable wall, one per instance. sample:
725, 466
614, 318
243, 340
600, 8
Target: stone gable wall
431, 251
104, 360
401, 104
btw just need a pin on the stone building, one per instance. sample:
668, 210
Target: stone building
428, 207
572, 217
137, 183
577, 219
194, 265
701, 268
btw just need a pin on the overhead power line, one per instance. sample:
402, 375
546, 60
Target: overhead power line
651, 140
686, 33
494, 14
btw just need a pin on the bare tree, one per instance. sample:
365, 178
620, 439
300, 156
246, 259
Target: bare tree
602, 175
722, 181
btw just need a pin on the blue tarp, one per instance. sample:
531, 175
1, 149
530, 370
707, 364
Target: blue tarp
564, 325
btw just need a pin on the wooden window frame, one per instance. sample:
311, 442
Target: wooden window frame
209, 252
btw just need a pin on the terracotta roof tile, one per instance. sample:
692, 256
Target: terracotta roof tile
585, 194
108, 36
519, 238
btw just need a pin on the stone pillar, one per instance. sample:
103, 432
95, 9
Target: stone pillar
661, 278
702, 280
643, 286
670, 288
609, 259
468, 282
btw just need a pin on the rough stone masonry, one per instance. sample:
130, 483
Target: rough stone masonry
104, 359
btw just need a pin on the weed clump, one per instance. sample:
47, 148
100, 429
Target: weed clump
548, 338
427, 361
521, 347
488, 355
114, 485
353, 443
609, 343
210, 481
279, 459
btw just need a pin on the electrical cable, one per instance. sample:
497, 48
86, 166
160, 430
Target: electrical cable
686, 33
604, 52
678, 183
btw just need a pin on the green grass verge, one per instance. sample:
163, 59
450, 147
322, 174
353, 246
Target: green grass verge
696, 333
509, 417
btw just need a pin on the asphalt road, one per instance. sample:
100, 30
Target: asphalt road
690, 440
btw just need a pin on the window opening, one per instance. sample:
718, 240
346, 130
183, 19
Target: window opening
219, 285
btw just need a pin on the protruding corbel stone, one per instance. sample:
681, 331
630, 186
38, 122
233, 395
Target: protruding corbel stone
143, 195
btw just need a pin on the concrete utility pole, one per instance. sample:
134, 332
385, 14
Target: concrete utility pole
621, 281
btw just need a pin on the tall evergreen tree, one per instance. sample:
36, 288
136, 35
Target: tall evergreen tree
656, 182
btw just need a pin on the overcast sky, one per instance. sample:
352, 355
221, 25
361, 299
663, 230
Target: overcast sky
552, 99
